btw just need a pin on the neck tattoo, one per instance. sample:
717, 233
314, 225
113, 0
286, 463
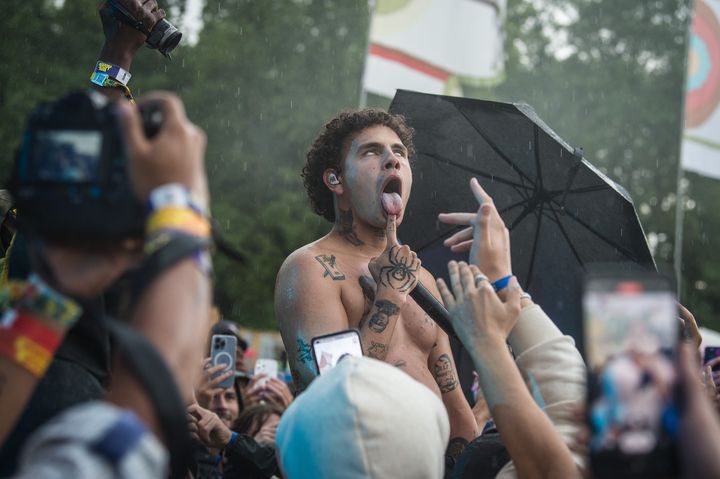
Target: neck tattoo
345, 227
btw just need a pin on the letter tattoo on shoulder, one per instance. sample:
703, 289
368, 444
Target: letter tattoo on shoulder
443, 372
381, 318
345, 227
329, 263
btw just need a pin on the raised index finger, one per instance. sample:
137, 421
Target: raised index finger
480, 194
391, 231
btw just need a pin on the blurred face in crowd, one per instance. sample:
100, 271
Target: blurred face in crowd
225, 404
240, 360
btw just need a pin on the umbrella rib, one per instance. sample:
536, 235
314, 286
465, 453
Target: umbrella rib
566, 236
627, 253
538, 175
477, 172
534, 248
492, 145
514, 205
587, 189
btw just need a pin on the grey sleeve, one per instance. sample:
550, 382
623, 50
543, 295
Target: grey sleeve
93, 440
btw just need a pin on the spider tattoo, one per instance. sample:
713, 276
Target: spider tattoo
401, 275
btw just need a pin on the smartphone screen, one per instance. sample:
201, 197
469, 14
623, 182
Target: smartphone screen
269, 367
631, 338
329, 349
222, 351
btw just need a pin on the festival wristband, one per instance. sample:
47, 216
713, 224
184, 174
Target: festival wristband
104, 80
36, 296
183, 220
233, 439
173, 195
27, 342
113, 71
502, 283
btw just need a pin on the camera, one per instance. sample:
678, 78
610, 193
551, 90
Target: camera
70, 178
164, 36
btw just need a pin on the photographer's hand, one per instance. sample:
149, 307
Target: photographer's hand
175, 155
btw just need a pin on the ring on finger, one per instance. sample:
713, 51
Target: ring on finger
479, 278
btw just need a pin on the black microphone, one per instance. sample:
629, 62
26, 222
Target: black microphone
433, 308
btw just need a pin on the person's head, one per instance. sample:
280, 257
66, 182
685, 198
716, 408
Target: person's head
226, 404
230, 328
254, 417
352, 160
381, 422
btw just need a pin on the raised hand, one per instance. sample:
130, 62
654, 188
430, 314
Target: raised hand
487, 238
206, 427
208, 386
398, 267
477, 313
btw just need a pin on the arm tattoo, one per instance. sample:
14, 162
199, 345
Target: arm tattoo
377, 350
444, 376
331, 269
345, 227
379, 320
304, 353
368, 290
401, 275
455, 447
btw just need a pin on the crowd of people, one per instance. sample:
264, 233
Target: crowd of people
86, 396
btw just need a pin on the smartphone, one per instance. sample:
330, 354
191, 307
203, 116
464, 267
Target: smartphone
631, 340
222, 351
268, 367
712, 352
330, 349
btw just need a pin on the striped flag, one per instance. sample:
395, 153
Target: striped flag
701, 137
433, 46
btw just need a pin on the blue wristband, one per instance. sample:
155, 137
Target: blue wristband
501, 283
233, 439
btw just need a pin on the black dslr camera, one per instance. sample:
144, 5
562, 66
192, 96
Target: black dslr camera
70, 179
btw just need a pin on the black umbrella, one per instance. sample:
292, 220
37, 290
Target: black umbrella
563, 214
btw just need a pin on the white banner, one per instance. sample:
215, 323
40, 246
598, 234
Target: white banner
701, 137
430, 45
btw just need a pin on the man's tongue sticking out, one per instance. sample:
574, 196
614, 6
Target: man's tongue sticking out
392, 204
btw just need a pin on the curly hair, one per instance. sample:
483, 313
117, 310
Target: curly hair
327, 148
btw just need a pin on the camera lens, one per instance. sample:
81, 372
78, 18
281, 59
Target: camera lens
164, 36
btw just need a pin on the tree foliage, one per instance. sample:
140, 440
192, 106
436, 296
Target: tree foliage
265, 75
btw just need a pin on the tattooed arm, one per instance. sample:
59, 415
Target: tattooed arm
463, 427
395, 272
307, 304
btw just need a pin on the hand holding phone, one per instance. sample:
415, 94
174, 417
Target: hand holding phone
222, 351
268, 367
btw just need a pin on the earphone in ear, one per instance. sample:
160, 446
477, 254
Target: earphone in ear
333, 179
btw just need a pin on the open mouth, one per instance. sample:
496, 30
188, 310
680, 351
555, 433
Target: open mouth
393, 185
391, 199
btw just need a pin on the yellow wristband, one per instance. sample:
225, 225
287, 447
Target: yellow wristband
185, 220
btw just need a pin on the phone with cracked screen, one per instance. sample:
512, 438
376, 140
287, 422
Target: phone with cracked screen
631, 339
222, 351
330, 349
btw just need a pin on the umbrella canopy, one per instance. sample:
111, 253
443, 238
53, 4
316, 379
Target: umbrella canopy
563, 214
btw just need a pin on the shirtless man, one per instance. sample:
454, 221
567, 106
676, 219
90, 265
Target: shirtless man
358, 177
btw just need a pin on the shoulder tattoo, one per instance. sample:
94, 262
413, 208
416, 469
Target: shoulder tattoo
329, 263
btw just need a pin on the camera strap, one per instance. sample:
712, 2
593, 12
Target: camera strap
142, 358
149, 368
